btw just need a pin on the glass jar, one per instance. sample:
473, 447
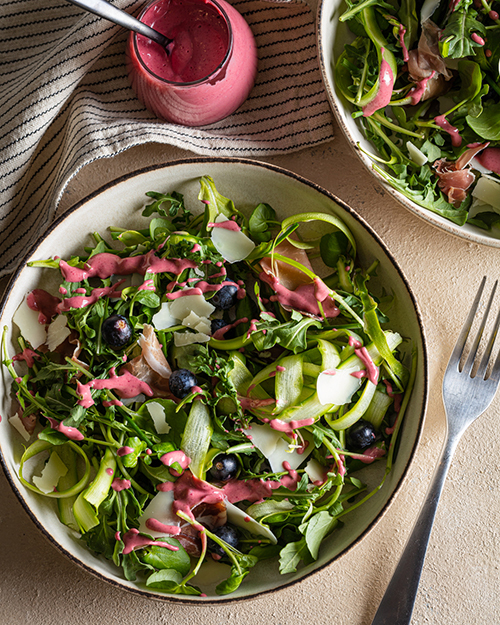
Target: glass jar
207, 71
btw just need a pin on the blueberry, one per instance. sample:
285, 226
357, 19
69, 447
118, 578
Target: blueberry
116, 331
217, 324
362, 435
228, 534
224, 468
225, 297
181, 382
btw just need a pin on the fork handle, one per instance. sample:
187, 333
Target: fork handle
397, 603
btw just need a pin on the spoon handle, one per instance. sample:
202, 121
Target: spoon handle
113, 14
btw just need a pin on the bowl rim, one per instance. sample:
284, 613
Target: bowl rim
201, 601
467, 232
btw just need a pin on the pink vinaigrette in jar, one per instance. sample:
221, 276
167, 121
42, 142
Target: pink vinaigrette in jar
209, 69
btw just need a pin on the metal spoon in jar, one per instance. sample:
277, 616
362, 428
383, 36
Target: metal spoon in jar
117, 16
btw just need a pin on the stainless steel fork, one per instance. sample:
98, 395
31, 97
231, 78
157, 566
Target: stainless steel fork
467, 393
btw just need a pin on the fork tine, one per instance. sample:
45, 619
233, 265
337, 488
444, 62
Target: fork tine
464, 333
489, 348
495, 372
467, 368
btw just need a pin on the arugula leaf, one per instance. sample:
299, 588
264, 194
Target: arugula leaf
291, 335
427, 197
487, 125
293, 554
261, 218
165, 579
332, 246
430, 150
176, 208
233, 582
455, 41
408, 15
315, 530
162, 558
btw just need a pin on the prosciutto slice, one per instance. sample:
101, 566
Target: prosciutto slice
151, 366
455, 177
426, 58
288, 276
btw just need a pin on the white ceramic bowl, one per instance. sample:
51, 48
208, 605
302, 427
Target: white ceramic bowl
332, 36
247, 183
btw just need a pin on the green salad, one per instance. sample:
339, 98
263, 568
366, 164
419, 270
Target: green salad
423, 82
196, 393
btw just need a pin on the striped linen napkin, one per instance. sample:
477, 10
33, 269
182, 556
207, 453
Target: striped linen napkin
65, 101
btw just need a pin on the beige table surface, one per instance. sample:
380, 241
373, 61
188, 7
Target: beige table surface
460, 582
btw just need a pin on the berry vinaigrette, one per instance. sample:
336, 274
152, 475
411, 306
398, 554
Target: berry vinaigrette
208, 70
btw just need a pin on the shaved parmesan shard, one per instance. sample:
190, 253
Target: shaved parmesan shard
181, 307
238, 517
337, 386
188, 338
315, 471
17, 424
57, 332
159, 508
203, 326
416, 155
126, 401
487, 190
232, 245
275, 448
51, 472
158, 415
164, 319
27, 322
192, 320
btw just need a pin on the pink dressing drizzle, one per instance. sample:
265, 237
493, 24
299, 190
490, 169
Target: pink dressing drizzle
402, 33
133, 540
384, 92
45, 304
416, 93
477, 39
113, 402
288, 426
371, 454
124, 451
372, 371
28, 355
120, 484
490, 159
71, 433
126, 385
227, 225
80, 301
147, 285
389, 388
156, 526
221, 332
105, 265
304, 298
173, 457
442, 122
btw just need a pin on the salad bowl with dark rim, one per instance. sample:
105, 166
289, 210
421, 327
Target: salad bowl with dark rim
247, 183
332, 36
